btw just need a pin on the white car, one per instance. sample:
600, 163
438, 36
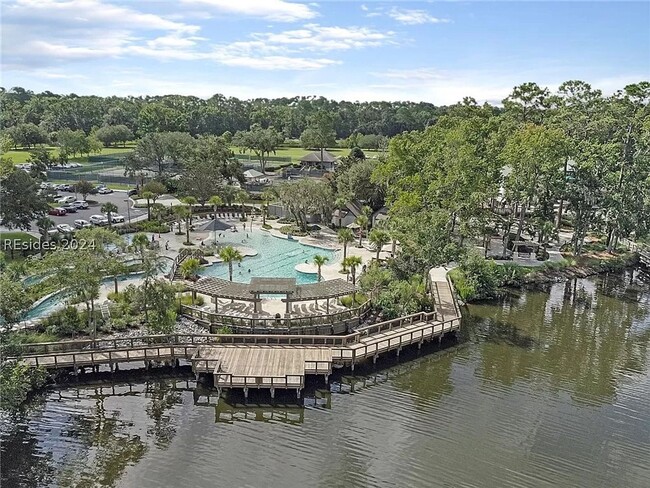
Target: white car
104, 191
82, 224
68, 199
64, 228
115, 218
80, 204
98, 220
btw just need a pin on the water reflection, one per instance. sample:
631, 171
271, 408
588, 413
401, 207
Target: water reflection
545, 388
577, 336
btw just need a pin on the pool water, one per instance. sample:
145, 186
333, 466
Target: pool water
58, 300
276, 258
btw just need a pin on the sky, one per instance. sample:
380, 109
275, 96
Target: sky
437, 52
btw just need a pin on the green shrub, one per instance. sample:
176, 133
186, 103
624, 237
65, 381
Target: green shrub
293, 230
66, 322
224, 329
266, 226
186, 299
17, 381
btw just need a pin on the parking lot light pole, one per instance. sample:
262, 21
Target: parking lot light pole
128, 211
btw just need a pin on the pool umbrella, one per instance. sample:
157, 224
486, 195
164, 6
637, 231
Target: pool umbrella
215, 225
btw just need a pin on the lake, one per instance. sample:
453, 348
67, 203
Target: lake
542, 388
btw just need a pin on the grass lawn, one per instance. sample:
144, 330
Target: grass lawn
12, 236
17, 235
20, 156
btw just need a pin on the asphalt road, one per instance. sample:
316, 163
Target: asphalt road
94, 205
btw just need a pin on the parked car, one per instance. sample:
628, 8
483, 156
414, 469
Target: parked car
57, 211
68, 199
64, 228
82, 224
81, 204
69, 208
116, 218
98, 220
104, 191
69, 188
132, 192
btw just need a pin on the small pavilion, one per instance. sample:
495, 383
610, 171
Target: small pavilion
319, 159
253, 291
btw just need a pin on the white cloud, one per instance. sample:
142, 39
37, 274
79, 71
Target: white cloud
414, 17
275, 10
38, 33
314, 37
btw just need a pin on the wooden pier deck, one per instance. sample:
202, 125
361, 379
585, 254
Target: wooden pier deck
267, 367
261, 361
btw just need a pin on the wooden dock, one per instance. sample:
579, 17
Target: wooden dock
260, 361
265, 367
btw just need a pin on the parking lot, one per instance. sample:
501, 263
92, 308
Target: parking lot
95, 202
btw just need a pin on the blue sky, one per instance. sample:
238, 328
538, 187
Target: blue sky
371, 50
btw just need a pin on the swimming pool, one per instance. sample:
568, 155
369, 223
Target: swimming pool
276, 257
58, 300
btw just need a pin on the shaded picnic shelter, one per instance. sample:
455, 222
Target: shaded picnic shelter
253, 291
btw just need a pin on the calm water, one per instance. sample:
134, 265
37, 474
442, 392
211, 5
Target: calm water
543, 389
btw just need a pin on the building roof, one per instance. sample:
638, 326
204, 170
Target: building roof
315, 157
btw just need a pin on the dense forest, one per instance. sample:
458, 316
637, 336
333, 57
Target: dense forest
52, 112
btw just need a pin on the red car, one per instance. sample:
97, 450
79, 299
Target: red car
57, 211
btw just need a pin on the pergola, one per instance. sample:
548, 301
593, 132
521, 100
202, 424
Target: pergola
252, 292
324, 290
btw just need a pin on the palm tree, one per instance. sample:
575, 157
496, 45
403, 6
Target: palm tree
351, 263
44, 225
147, 195
345, 237
379, 238
215, 201
229, 255
241, 197
340, 204
109, 208
140, 242
362, 221
181, 212
267, 197
190, 201
189, 268
320, 261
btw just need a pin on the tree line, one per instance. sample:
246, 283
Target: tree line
52, 113
572, 157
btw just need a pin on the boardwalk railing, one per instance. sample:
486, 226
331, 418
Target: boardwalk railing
227, 380
187, 340
346, 318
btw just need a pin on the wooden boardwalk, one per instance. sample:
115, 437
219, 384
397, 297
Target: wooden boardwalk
644, 258
261, 361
